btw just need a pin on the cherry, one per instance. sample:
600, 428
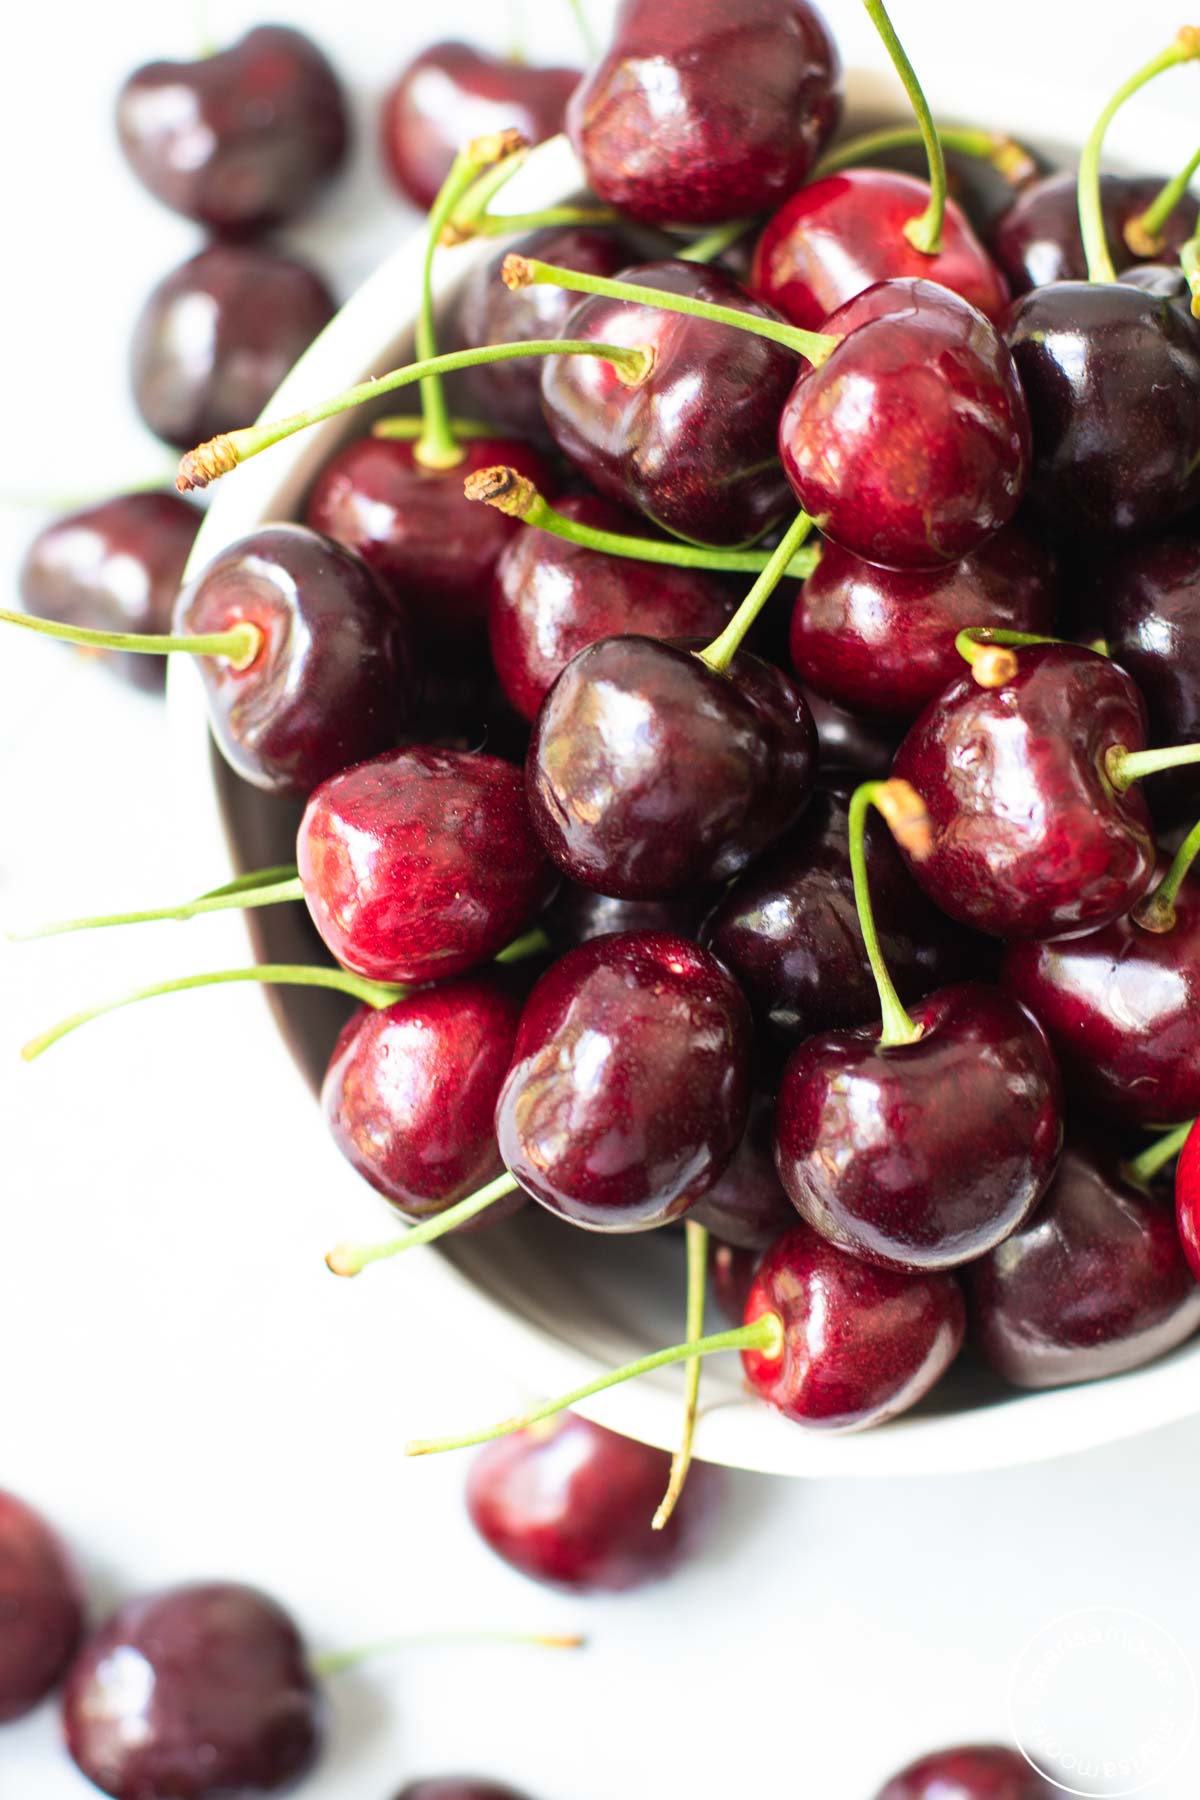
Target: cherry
457, 1787
197, 1692
217, 336
41, 1608
841, 235
115, 566
569, 1503
732, 1272
1187, 1199
1037, 239
706, 111
1152, 626
1094, 1284
881, 641
848, 743
972, 1772
746, 1207
909, 442
1032, 835
238, 140
329, 666
421, 863
452, 92
629, 1085
577, 914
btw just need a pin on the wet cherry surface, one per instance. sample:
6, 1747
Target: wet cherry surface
1187, 1199
1037, 239
41, 1608
747, 1207
1151, 601
969, 1772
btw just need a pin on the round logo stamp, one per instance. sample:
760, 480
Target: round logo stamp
1104, 1702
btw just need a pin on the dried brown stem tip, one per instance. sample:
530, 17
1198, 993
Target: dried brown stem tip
1141, 241
496, 146
904, 811
502, 488
207, 462
993, 666
1013, 162
1188, 39
516, 271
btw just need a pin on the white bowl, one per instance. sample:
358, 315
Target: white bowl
558, 1306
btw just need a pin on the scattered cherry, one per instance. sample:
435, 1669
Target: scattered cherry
41, 1608
972, 1772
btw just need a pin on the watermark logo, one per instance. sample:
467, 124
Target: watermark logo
1104, 1702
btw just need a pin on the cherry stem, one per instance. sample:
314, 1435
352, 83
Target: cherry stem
584, 26
1157, 911
1010, 159
1184, 48
904, 811
371, 993
514, 494
1145, 1166
925, 232
239, 646
721, 652
209, 461
697, 1286
714, 243
1144, 233
335, 1662
406, 426
764, 1334
1124, 767
267, 888
1189, 262
472, 217
352, 1259
526, 271
991, 653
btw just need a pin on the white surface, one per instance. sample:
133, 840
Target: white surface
177, 1371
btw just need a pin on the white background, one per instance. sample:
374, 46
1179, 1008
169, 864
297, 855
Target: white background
181, 1385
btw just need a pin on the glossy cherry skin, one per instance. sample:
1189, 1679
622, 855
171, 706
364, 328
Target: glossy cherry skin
1112, 377
454, 92
570, 1504
1037, 239
881, 641
877, 1161
200, 1692
693, 445
218, 335
1187, 1199
1030, 839
747, 1207
910, 444
731, 1272
421, 863
972, 1772
578, 914
238, 140
788, 929
649, 774
850, 743
1121, 1007
41, 1608
552, 598
116, 566
629, 1086
860, 1344
334, 671
840, 235
432, 548
705, 110
411, 1090
457, 1787
1152, 625
1094, 1284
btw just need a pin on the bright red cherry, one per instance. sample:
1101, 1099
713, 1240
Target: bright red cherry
41, 1608
1187, 1199
972, 1772
1037, 239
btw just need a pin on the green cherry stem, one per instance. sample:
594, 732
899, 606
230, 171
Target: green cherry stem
239, 645
1189, 262
472, 216
904, 812
765, 1334
268, 888
336, 1662
721, 652
352, 1259
1184, 48
925, 232
714, 243
1144, 233
1010, 159
514, 494
697, 1286
1157, 911
1124, 767
526, 271
991, 653
1145, 1166
406, 426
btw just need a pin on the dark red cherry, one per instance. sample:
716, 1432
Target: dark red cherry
552, 598
334, 669
421, 863
693, 445
200, 1692
649, 773
849, 743
789, 931
909, 445
454, 92
705, 110
1151, 598
860, 1344
972, 1772
838, 236
115, 566
411, 1090
1121, 1007
578, 914
457, 1787
1094, 1284
510, 393
881, 641
1037, 239
569, 1503
1187, 1199
218, 335
732, 1272
238, 140
878, 1161
1112, 377
41, 1608
1030, 838
629, 1086
746, 1207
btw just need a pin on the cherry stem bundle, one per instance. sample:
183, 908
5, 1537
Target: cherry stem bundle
721, 652
352, 1259
765, 1334
697, 1287
1144, 233
1010, 159
1146, 1165
906, 818
336, 1662
924, 233
991, 654
239, 646
1157, 911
